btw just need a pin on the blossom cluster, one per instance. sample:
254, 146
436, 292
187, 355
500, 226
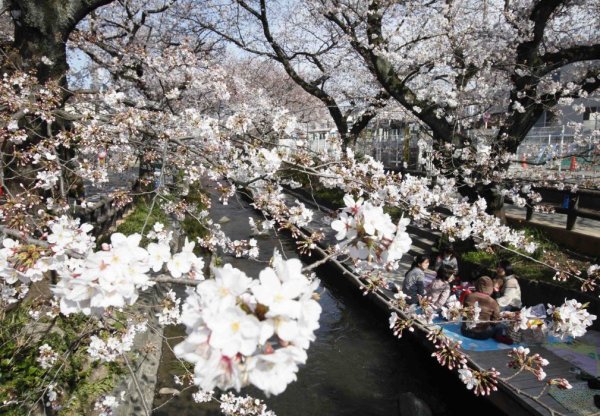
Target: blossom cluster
244, 248
271, 200
232, 405
399, 324
91, 281
482, 382
110, 277
448, 354
370, 235
418, 198
242, 331
47, 357
571, 319
170, 313
23, 263
111, 347
472, 220
521, 360
14, 280
106, 405
254, 163
113, 276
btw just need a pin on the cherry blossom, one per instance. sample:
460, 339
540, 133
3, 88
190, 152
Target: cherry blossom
168, 101
47, 357
521, 360
185, 261
244, 331
106, 405
369, 234
111, 348
570, 319
170, 313
159, 254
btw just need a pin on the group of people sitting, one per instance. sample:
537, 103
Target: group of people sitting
502, 293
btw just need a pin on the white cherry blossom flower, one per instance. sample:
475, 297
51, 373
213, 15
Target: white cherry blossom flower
158, 255
467, 377
233, 331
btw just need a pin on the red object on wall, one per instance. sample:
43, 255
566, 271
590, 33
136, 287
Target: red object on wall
573, 164
524, 162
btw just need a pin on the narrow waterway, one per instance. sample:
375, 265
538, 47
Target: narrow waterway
355, 367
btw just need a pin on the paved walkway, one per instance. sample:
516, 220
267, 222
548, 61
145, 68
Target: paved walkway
582, 225
117, 181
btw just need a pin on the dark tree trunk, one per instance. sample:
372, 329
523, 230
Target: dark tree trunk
42, 28
41, 32
492, 195
495, 201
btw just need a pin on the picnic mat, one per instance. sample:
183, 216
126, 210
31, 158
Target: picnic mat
469, 344
452, 331
583, 352
579, 399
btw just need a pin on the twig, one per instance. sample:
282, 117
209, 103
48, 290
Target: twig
41, 243
137, 386
168, 279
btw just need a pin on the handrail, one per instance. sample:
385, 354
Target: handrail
570, 206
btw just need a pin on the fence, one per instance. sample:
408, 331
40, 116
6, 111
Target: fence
584, 203
555, 147
394, 147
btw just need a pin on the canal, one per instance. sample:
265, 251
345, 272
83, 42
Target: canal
355, 366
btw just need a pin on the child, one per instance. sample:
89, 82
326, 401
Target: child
439, 289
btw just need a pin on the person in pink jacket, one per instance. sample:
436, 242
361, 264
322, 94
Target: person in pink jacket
439, 289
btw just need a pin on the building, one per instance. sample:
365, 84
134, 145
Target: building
392, 141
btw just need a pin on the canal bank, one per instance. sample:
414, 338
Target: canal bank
355, 366
519, 392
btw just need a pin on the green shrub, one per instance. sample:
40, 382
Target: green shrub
143, 213
22, 377
482, 258
395, 212
335, 197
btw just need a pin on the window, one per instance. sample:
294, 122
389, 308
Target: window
591, 114
546, 119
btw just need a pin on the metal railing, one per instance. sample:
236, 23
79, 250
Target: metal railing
585, 203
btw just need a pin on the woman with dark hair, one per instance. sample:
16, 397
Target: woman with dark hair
414, 280
510, 294
439, 289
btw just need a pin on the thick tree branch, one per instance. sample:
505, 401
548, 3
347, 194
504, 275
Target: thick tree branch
567, 56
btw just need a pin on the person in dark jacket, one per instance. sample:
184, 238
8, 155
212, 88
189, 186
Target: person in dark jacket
414, 281
490, 311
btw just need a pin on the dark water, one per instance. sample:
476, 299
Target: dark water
355, 366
